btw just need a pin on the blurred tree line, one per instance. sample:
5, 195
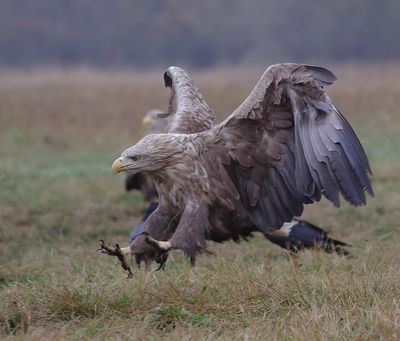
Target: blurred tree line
145, 33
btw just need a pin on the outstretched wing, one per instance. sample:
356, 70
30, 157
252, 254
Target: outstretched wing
187, 111
288, 144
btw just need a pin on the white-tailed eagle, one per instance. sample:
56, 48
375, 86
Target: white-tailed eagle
285, 146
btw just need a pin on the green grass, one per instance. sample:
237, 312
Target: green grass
58, 136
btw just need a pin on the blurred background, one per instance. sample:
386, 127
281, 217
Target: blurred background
144, 34
76, 78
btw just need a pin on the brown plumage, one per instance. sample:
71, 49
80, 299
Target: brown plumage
285, 146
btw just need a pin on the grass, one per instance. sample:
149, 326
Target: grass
60, 131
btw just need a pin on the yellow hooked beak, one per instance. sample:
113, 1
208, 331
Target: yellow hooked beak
120, 164
147, 120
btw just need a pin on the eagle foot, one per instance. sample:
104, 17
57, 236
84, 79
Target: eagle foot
119, 252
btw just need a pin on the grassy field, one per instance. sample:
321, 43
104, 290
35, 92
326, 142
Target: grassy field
59, 133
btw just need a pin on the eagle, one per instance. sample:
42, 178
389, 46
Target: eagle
293, 236
285, 146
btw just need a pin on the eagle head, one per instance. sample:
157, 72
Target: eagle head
151, 154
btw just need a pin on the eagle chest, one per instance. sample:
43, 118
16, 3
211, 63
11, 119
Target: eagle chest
180, 185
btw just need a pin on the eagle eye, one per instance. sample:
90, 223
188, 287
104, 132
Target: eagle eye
134, 158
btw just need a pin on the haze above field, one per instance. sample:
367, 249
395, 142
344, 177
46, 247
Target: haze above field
202, 33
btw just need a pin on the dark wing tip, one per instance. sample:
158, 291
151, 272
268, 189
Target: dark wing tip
321, 74
167, 79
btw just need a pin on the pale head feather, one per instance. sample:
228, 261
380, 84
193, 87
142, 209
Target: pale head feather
155, 152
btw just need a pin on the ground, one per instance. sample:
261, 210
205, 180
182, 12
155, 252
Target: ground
59, 133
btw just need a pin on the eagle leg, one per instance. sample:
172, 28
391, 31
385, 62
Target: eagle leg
162, 245
119, 252
162, 259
